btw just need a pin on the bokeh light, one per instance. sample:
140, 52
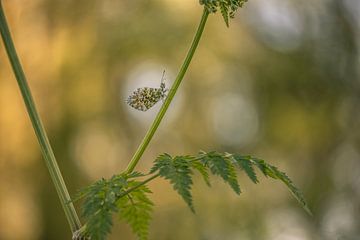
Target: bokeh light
281, 83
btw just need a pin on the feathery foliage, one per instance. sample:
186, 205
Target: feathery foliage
202, 170
97, 207
136, 208
105, 197
246, 164
179, 170
221, 165
227, 8
128, 197
273, 172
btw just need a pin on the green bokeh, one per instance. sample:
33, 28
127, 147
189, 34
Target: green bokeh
297, 79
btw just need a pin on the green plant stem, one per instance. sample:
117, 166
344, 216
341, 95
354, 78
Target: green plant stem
139, 185
47, 152
150, 133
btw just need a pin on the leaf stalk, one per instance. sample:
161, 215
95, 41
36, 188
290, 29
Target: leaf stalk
139, 185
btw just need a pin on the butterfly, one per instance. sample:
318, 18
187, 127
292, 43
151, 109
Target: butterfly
144, 98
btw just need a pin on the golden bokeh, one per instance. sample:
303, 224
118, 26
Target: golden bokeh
281, 83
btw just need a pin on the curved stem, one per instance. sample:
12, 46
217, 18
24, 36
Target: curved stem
145, 142
39, 129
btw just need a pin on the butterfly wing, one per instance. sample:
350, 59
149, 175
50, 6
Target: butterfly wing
144, 98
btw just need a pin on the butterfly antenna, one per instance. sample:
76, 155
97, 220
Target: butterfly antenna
162, 77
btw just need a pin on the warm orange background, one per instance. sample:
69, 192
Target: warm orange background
282, 83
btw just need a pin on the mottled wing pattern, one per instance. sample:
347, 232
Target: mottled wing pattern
144, 98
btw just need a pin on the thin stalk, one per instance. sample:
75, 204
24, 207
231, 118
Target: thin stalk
39, 129
150, 133
139, 185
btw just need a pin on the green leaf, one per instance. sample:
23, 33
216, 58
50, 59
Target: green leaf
202, 170
222, 165
98, 205
275, 173
161, 163
245, 164
136, 209
124, 195
224, 12
103, 198
99, 225
177, 171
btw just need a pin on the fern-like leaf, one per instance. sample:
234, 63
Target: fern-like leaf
221, 165
224, 12
202, 170
98, 205
105, 197
99, 225
245, 164
136, 208
124, 195
177, 170
275, 173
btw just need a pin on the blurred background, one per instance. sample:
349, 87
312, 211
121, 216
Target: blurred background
282, 83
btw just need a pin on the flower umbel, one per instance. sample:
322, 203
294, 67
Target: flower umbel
226, 7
